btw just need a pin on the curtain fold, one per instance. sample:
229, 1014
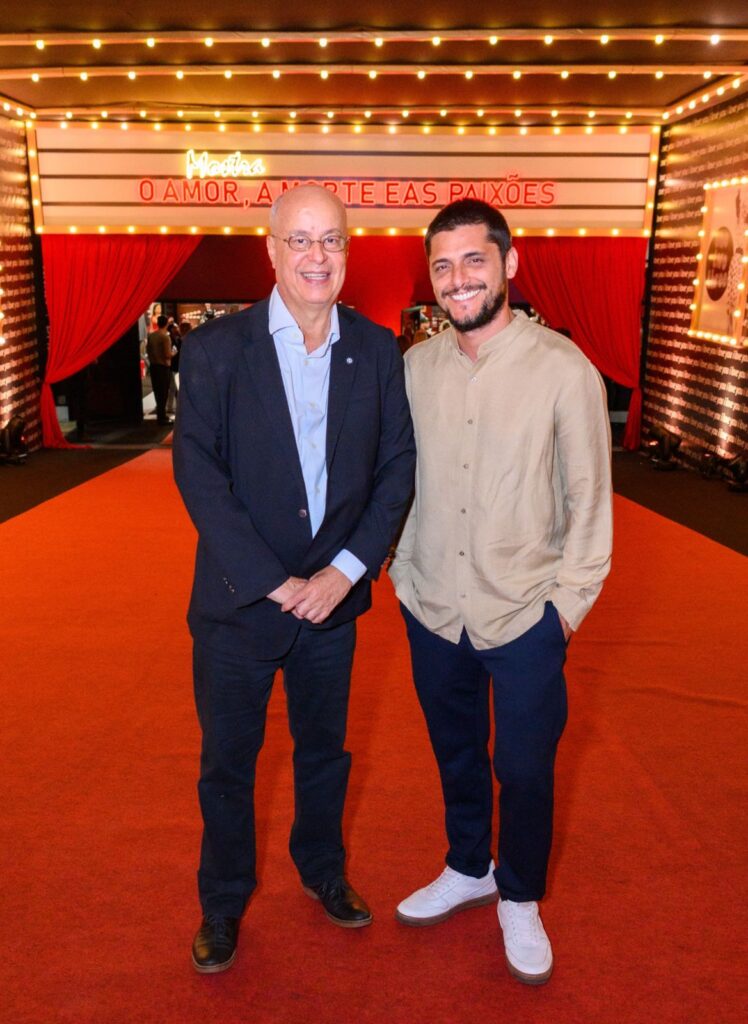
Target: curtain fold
594, 287
96, 288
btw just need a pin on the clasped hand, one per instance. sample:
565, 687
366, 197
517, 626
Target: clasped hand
313, 599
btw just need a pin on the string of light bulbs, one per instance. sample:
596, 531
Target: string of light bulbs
380, 37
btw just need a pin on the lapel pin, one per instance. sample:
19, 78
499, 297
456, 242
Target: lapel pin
349, 359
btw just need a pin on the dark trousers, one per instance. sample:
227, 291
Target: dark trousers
160, 379
231, 693
529, 698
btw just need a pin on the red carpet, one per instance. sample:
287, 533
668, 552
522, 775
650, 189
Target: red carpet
100, 837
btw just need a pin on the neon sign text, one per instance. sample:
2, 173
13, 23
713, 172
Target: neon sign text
235, 165
376, 193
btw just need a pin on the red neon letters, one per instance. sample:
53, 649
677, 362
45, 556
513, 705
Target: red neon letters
373, 193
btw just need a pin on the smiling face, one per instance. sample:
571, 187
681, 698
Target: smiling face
309, 282
471, 280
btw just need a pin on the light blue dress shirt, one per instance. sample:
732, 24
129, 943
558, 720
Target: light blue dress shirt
306, 381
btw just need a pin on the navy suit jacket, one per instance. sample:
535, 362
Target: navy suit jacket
238, 470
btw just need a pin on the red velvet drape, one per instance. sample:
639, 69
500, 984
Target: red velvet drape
96, 288
594, 287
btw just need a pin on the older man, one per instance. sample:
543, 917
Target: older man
294, 454
504, 552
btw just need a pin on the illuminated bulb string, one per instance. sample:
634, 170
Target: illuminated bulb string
365, 38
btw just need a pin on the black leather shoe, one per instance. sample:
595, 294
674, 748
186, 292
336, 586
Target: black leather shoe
214, 947
342, 904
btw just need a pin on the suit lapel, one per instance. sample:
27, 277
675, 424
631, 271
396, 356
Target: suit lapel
343, 365
265, 374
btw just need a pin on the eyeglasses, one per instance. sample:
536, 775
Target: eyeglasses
303, 243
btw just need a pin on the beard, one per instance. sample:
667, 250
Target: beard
488, 310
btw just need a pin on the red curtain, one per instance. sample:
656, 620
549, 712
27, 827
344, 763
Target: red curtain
594, 287
96, 288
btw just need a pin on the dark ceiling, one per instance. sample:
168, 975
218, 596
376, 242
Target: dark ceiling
515, 78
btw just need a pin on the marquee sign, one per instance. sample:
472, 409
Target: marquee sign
146, 180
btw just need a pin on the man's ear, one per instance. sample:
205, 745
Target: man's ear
270, 241
511, 263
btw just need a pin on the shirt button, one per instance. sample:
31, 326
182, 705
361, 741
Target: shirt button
302, 513
473, 380
463, 510
463, 595
462, 554
465, 465
470, 421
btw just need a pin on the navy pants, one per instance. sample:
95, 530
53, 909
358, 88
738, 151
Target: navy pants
529, 700
231, 694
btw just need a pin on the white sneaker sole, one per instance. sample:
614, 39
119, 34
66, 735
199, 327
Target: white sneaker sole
423, 922
528, 979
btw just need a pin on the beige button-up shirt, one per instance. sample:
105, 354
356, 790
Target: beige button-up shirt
513, 502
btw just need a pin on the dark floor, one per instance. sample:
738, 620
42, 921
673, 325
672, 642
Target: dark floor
49, 472
686, 497
706, 506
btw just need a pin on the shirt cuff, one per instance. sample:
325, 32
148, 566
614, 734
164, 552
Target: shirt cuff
572, 605
349, 565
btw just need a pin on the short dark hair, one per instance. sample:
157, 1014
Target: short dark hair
471, 211
162, 321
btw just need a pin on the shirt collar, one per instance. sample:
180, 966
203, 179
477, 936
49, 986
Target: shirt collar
281, 319
497, 342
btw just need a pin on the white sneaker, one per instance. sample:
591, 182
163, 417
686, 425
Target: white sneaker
449, 893
526, 945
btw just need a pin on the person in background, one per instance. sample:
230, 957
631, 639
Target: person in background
294, 454
176, 344
503, 554
159, 350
